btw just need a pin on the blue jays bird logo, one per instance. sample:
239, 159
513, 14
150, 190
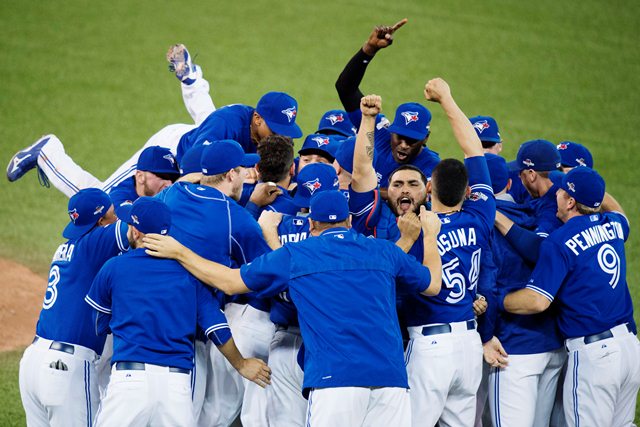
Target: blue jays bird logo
563, 146
410, 116
481, 125
74, 215
312, 186
335, 118
290, 113
320, 141
170, 158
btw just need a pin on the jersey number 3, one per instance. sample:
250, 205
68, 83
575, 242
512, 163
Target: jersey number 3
51, 295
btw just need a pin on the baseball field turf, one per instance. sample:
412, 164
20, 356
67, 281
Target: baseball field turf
94, 73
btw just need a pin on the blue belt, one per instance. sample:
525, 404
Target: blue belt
137, 366
602, 336
445, 329
59, 346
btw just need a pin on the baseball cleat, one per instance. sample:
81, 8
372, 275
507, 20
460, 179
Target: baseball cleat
180, 64
25, 160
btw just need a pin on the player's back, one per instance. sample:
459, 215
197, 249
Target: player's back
229, 122
200, 220
594, 295
154, 309
65, 316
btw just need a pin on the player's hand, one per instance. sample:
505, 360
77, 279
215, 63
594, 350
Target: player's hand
494, 353
193, 178
255, 370
370, 105
430, 222
410, 226
251, 177
480, 305
437, 90
162, 246
265, 193
269, 220
381, 37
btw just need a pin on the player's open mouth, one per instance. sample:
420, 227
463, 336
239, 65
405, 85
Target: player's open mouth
401, 156
405, 204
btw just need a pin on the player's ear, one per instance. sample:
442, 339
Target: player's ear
467, 193
508, 187
428, 187
256, 119
139, 177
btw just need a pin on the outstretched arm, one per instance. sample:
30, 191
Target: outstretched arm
252, 369
364, 178
349, 80
437, 90
228, 280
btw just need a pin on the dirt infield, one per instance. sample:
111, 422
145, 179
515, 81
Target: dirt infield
21, 293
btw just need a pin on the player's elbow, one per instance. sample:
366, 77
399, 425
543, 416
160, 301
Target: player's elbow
538, 304
434, 286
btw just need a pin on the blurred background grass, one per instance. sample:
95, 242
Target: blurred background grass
94, 74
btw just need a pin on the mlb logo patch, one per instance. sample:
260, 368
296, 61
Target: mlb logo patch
290, 113
333, 217
475, 196
335, 118
298, 222
528, 162
410, 116
594, 218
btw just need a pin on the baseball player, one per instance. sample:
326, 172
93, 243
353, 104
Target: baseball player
58, 370
153, 307
521, 387
207, 219
401, 142
350, 382
573, 155
488, 132
582, 271
336, 122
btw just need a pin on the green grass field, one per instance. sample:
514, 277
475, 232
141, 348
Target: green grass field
95, 75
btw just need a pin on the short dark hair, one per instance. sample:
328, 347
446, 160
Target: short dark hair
276, 158
488, 144
449, 181
423, 177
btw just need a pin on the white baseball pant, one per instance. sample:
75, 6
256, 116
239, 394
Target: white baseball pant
444, 375
602, 380
524, 392
286, 407
58, 397
359, 407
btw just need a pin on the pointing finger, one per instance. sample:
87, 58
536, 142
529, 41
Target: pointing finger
399, 24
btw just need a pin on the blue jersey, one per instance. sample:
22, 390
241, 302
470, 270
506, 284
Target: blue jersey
582, 265
520, 334
343, 285
545, 209
517, 191
64, 316
282, 204
155, 305
123, 195
228, 122
383, 161
291, 229
463, 237
215, 227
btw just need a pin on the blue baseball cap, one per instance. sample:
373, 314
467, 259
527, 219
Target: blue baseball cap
539, 155
486, 128
344, 154
412, 121
573, 154
158, 160
498, 171
324, 145
585, 185
85, 208
279, 110
222, 156
313, 179
329, 206
149, 215
556, 177
190, 162
336, 121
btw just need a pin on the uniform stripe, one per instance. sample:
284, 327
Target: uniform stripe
58, 174
542, 292
576, 413
119, 240
309, 409
95, 305
118, 179
86, 395
373, 209
542, 234
482, 187
363, 210
407, 356
216, 328
496, 397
